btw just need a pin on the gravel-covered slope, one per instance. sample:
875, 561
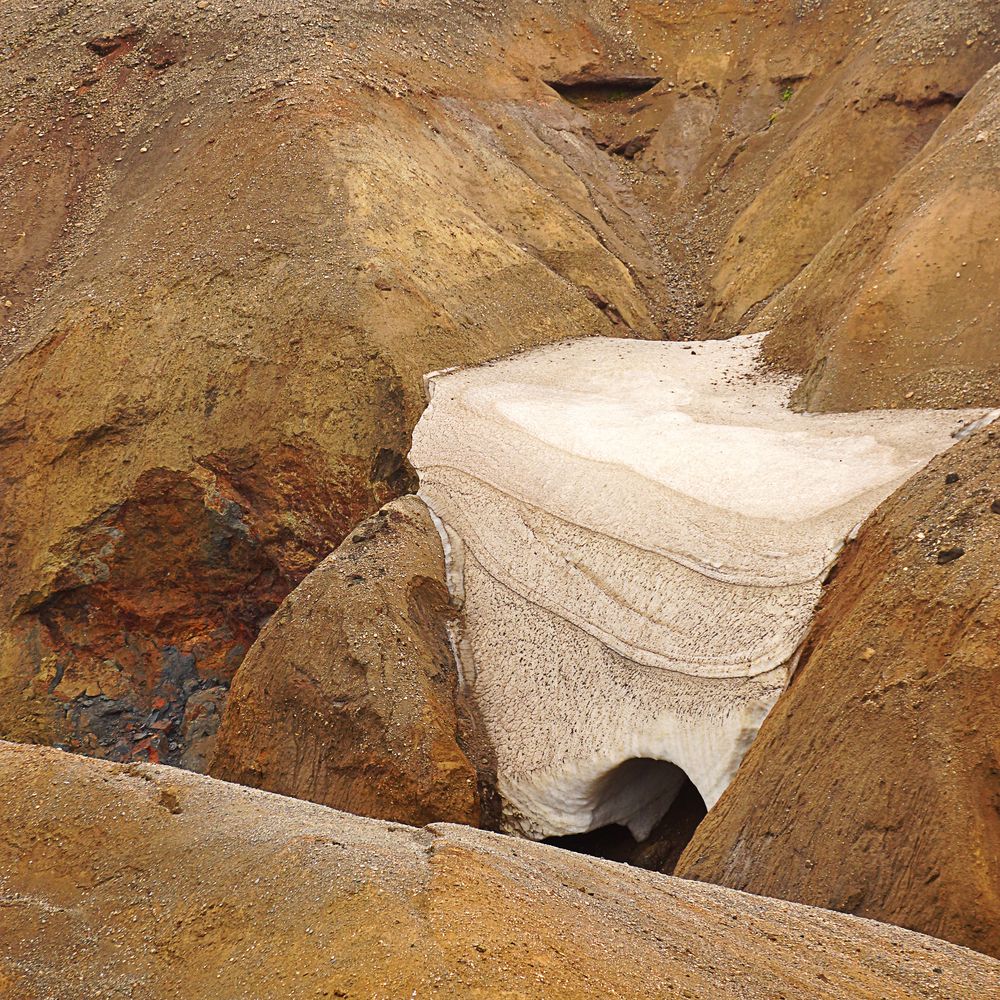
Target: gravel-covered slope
126, 881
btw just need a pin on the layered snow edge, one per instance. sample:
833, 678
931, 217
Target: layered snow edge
638, 533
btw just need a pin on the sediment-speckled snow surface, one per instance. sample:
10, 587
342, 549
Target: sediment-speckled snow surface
639, 532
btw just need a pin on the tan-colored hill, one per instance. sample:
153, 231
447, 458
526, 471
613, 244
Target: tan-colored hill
901, 308
148, 881
348, 697
874, 784
773, 124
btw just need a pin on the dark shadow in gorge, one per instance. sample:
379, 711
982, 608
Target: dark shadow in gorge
587, 91
660, 851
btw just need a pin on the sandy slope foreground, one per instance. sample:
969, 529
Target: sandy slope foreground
141, 881
639, 532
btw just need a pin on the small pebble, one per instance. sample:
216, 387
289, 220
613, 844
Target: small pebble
950, 555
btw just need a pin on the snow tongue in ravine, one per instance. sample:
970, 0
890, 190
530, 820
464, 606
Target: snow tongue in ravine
638, 533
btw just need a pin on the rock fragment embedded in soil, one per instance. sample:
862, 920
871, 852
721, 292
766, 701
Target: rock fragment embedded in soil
950, 555
639, 534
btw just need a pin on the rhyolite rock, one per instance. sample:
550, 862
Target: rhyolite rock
900, 308
351, 697
229, 269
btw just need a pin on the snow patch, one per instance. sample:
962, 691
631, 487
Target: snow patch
638, 534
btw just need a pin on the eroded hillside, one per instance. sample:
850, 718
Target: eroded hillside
238, 239
241, 244
874, 785
145, 880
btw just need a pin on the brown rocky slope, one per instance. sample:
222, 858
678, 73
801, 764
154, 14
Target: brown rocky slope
901, 307
874, 784
349, 696
275, 223
136, 880
773, 124
238, 239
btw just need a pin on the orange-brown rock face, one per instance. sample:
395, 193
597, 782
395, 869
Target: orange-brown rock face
772, 124
141, 666
154, 882
900, 309
874, 785
238, 243
349, 697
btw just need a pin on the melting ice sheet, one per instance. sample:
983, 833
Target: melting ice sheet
639, 532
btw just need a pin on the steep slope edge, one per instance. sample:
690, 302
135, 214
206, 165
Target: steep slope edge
141, 880
901, 308
874, 784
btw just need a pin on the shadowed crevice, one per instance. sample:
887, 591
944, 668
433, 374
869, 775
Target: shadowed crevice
587, 90
659, 851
